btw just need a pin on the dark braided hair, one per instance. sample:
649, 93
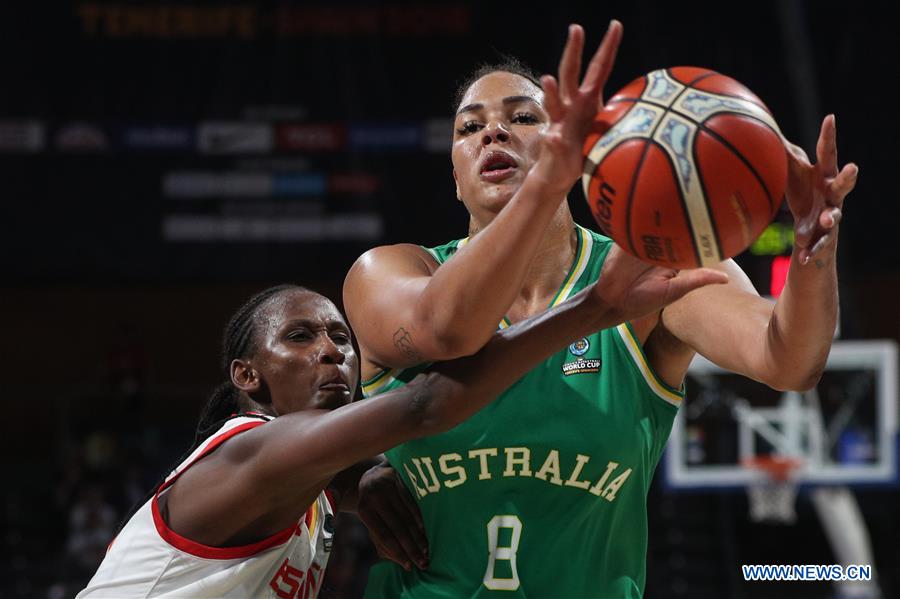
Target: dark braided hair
238, 341
507, 63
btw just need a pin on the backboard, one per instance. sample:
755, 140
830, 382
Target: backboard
844, 431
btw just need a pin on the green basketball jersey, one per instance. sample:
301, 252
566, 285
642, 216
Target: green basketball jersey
543, 492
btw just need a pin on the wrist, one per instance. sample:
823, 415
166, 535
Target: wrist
824, 256
593, 309
546, 176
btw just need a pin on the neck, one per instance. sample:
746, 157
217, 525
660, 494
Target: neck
246, 404
550, 265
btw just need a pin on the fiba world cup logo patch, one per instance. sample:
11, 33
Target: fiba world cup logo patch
580, 347
581, 365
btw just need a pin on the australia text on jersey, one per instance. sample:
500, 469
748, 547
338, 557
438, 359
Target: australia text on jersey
488, 463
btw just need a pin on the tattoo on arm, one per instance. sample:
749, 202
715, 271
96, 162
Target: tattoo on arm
403, 341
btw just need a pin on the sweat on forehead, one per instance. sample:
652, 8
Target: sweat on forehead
292, 301
508, 64
271, 311
500, 84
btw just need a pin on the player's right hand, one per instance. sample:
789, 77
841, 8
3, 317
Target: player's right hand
635, 288
572, 107
394, 521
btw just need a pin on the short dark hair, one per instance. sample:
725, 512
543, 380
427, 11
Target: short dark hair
508, 64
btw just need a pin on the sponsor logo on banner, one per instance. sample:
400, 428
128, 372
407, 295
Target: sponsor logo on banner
22, 136
311, 138
247, 21
81, 137
204, 185
158, 137
354, 226
385, 137
235, 138
354, 184
298, 184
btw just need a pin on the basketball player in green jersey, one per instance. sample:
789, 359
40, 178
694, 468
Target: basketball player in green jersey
543, 492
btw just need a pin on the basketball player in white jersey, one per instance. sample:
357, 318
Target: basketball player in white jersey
249, 511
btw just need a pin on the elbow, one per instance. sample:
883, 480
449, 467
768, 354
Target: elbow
810, 381
450, 345
800, 380
446, 339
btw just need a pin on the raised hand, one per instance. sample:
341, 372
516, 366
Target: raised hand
392, 517
572, 107
815, 192
634, 288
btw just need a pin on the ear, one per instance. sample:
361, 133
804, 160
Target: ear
245, 377
456, 181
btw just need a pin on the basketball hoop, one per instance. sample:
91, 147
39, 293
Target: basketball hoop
772, 496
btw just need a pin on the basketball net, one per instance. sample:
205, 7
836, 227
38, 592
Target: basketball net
773, 496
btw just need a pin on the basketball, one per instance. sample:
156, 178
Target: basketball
687, 169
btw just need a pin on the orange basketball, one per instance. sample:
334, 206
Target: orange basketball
690, 170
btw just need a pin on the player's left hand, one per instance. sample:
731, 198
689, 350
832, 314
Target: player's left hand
394, 521
815, 192
633, 288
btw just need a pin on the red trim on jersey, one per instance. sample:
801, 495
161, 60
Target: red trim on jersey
213, 444
330, 496
205, 551
199, 549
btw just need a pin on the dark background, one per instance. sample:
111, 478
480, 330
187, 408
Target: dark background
111, 324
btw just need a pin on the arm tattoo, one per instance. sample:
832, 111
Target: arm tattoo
403, 341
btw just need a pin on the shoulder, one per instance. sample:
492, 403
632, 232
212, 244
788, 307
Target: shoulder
403, 257
227, 430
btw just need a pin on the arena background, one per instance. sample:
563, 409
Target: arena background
162, 160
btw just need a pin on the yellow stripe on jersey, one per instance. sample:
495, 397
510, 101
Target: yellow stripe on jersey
379, 381
637, 354
311, 521
582, 253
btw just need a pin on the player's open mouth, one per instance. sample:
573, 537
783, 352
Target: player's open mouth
497, 166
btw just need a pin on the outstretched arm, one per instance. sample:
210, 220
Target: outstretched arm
263, 475
404, 310
784, 345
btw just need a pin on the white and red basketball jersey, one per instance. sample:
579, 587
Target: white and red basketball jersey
148, 559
